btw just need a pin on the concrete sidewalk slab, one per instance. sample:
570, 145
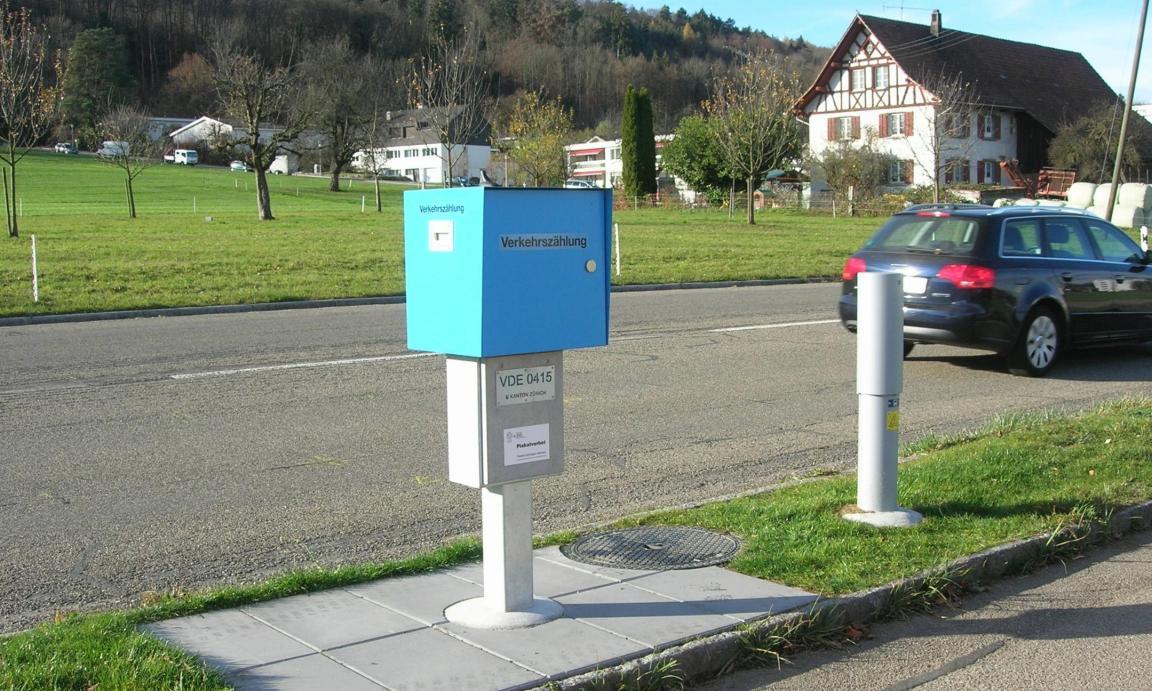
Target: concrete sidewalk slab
393, 634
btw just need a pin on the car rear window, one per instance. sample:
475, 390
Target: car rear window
954, 235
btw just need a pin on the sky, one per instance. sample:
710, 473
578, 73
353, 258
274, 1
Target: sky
1103, 31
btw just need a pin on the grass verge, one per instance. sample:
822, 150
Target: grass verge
1022, 476
197, 241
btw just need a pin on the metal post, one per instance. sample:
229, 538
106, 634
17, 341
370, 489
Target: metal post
1144, 238
879, 381
507, 531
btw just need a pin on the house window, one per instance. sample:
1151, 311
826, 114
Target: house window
859, 79
880, 77
989, 172
895, 124
990, 126
957, 170
429, 151
955, 125
900, 173
842, 129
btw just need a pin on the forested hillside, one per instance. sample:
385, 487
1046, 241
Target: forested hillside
586, 52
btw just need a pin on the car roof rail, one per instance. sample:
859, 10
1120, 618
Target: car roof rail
942, 206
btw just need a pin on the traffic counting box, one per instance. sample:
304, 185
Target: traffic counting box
493, 271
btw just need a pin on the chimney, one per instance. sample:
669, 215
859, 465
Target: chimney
935, 28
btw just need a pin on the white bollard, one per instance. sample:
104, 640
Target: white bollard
616, 244
879, 381
1144, 238
35, 274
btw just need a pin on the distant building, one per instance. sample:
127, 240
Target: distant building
598, 160
874, 86
411, 148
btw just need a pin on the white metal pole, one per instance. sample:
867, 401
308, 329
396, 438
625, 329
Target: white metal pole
362, 203
879, 381
507, 532
35, 274
616, 242
1144, 237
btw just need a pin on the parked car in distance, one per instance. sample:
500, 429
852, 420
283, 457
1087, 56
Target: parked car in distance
112, 149
66, 148
465, 181
183, 157
239, 167
578, 184
1025, 282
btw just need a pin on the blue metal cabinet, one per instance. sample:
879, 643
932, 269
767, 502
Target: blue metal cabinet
501, 271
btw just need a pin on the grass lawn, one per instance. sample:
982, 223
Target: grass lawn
1023, 476
93, 258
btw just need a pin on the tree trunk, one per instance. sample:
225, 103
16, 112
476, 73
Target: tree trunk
8, 209
263, 199
14, 224
379, 206
334, 180
751, 201
131, 198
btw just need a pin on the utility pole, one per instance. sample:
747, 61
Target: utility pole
1127, 113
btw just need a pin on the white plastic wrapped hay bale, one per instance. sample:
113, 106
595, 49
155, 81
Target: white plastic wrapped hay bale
1050, 202
1025, 201
1097, 211
1080, 194
1135, 194
1100, 196
1128, 216
1001, 202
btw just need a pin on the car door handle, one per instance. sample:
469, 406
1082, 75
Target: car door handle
1120, 278
1067, 275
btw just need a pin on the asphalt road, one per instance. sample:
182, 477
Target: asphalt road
179, 453
1082, 625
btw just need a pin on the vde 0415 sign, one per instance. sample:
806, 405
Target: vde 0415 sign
525, 385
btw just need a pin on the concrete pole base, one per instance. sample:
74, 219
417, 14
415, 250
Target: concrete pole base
480, 613
900, 518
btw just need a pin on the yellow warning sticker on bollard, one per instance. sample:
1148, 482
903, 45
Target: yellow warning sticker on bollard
894, 421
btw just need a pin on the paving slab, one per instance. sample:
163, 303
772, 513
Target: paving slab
393, 634
331, 619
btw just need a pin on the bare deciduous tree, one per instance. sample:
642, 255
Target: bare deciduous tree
340, 81
450, 82
752, 119
28, 101
134, 149
947, 138
270, 104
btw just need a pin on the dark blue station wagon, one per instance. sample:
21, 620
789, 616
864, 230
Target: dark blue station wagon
1025, 282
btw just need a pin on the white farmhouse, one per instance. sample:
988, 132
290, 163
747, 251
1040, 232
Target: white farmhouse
876, 86
411, 148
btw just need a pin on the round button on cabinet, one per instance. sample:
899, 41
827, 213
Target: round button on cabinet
590, 266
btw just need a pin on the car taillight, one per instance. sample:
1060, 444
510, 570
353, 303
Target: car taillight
968, 276
853, 266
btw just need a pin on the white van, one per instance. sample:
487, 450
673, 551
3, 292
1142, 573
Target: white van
183, 157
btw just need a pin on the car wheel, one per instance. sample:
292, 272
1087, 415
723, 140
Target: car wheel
1038, 346
908, 346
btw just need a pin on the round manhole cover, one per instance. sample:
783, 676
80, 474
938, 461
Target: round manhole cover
659, 548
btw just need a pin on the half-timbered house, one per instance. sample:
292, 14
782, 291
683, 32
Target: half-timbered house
1005, 99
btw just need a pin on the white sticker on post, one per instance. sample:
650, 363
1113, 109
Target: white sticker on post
526, 444
526, 385
440, 236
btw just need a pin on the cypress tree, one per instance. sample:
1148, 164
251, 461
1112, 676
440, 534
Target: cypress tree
638, 144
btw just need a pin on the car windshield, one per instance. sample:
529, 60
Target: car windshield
927, 234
